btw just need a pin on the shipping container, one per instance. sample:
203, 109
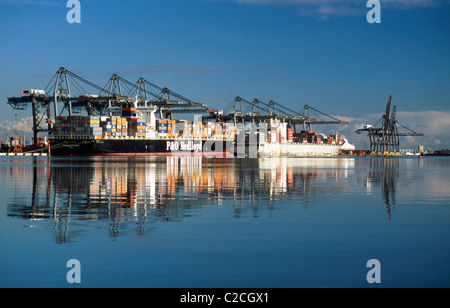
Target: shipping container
36, 92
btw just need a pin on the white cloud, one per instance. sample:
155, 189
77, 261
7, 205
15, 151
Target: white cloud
431, 122
23, 125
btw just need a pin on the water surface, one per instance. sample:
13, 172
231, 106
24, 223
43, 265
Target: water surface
237, 223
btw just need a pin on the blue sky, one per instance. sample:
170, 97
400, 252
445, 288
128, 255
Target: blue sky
322, 53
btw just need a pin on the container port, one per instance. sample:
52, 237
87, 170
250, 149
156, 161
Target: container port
147, 121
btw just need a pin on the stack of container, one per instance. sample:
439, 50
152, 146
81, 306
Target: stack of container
94, 127
276, 132
107, 125
280, 135
137, 127
171, 128
204, 130
315, 138
318, 139
305, 137
187, 131
290, 134
333, 140
122, 127
218, 131
226, 131
162, 128
78, 127
210, 129
129, 111
84, 127
113, 127
197, 129
61, 126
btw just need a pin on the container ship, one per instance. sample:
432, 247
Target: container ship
143, 123
133, 136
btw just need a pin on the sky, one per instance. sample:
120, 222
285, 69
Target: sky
321, 53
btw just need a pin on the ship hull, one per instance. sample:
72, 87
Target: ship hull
141, 147
296, 149
186, 147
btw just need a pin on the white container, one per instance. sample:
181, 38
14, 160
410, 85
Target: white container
87, 96
29, 92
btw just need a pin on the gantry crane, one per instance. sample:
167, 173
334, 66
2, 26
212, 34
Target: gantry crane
259, 111
385, 139
66, 92
67, 89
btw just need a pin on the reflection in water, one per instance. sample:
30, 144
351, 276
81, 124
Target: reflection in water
384, 171
147, 190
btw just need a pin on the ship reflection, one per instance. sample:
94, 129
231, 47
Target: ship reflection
138, 192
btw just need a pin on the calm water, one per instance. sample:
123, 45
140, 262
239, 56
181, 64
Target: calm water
192, 222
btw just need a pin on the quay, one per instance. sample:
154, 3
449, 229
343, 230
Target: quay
23, 154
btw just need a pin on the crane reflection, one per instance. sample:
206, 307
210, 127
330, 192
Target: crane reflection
141, 191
